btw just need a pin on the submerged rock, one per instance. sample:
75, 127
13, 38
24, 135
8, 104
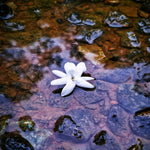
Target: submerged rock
14, 141
13, 26
68, 127
144, 26
113, 75
130, 40
5, 11
116, 19
141, 72
138, 146
89, 35
104, 141
26, 123
76, 125
117, 121
140, 123
86, 19
4, 122
131, 100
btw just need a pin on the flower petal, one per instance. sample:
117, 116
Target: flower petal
80, 68
68, 88
58, 73
60, 81
69, 68
87, 78
82, 83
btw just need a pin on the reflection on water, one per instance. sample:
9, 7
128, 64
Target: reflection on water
112, 38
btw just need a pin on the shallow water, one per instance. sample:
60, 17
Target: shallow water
112, 38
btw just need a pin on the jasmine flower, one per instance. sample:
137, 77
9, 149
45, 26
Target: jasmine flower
72, 77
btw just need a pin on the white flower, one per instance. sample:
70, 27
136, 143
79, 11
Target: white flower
72, 77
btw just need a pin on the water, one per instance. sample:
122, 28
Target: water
112, 38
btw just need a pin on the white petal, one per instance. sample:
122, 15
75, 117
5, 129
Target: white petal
82, 83
80, 68
87, 78
68, 88
60, 81
69, 68
58, 73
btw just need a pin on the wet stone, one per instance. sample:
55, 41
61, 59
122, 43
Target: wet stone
130, 40
135, 55
14, 141
34, 72
68, 127
89, 36
76, 125
4, 122
104, 141
131, 100
55, 100
86, 97
74, 18
141, 72
113, 75
77, 19
116, 19
140, 123
5, 105
117, 121
26, 123
84, 120
13, 53
13, 26
138, 146
5, 11
144, 26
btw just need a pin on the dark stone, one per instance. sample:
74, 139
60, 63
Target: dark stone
4, 122
130, 40
131, 100
104, 141
138, 146
68, 127
144, 26
76, 125
117, 121
14, 141
146, 6
89, 35
113, 75
140, 123
135, 55
116, 19
5, 11
26, 123
99, 138
13, 26
60, 21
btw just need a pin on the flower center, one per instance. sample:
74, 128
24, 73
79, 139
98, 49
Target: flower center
72, 78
